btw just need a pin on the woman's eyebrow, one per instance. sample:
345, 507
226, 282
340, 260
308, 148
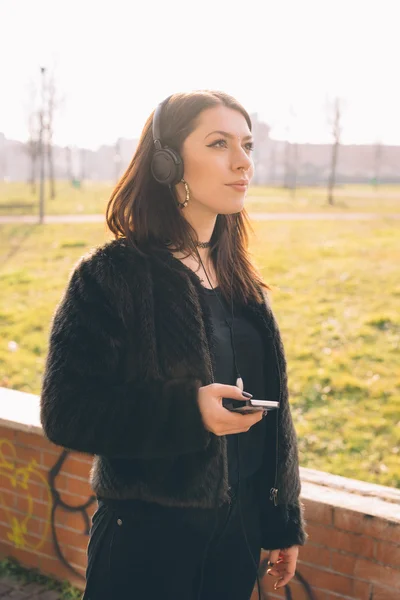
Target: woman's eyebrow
228, 135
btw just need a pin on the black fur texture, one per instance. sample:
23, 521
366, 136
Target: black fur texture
129, 347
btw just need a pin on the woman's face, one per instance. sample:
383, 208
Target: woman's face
217, 155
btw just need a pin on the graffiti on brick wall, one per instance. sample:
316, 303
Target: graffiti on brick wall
25, 481
308, 593
58, 502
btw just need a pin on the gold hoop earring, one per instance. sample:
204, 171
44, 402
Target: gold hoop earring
186, 202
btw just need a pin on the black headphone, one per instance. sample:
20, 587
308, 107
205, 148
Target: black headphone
166, 164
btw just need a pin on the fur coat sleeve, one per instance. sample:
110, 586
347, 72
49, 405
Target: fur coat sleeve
282, 525
86, 403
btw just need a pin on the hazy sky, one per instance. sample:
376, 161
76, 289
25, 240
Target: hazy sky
115, 60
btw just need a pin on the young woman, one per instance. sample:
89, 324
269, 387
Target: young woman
146, 362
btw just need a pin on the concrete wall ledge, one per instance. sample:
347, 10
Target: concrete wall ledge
362, 496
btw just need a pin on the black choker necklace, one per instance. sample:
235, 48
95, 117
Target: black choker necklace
199, 244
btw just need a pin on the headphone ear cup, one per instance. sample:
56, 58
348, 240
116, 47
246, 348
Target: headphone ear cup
167, 166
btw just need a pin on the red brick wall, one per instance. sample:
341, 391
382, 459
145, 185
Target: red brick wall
349, 555
27, 498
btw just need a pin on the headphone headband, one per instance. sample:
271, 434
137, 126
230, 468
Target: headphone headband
157, 123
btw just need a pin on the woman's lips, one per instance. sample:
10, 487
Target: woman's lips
239, 187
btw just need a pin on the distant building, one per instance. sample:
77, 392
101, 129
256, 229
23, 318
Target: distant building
311, 162
274, 160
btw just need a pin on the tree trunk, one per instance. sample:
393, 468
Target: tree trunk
51, 170
336, 130
272, 164
32, 178
378, 159
332, 177
69, 164
294, 170
286, 175
83, 157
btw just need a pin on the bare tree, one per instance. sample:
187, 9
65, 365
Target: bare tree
83, 164
42, 107
294, 159
54, 101
334, 119
295, 164
35, 146
291, 155
286, 158
68, 160
32, 149
42, 168
51, 101
377, 162
273, 154
272, 163
117, 159
286, 163
32, 144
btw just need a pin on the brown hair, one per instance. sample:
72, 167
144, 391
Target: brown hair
145, 212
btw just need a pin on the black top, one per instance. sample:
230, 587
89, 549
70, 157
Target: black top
250, 356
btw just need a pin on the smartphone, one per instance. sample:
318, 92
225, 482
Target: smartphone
249, 406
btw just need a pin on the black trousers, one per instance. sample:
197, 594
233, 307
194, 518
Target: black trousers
139, 550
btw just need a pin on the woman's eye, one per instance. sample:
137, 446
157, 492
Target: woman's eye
218, 144
224, 144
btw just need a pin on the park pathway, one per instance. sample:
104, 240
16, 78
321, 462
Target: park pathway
10, 589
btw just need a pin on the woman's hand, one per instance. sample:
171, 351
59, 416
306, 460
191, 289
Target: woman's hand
218, 419
283, 565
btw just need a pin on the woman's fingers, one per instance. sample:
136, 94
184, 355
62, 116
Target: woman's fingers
283, 566
273, 571
285, 571
284, 579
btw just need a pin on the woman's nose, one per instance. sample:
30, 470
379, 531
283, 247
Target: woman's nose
242, 160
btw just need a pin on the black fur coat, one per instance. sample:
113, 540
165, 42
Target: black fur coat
129, 347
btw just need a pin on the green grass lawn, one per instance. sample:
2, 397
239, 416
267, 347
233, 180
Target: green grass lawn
17, 199
90, 199
347, 198
338, 306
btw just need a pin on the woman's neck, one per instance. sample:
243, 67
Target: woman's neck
202, 220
